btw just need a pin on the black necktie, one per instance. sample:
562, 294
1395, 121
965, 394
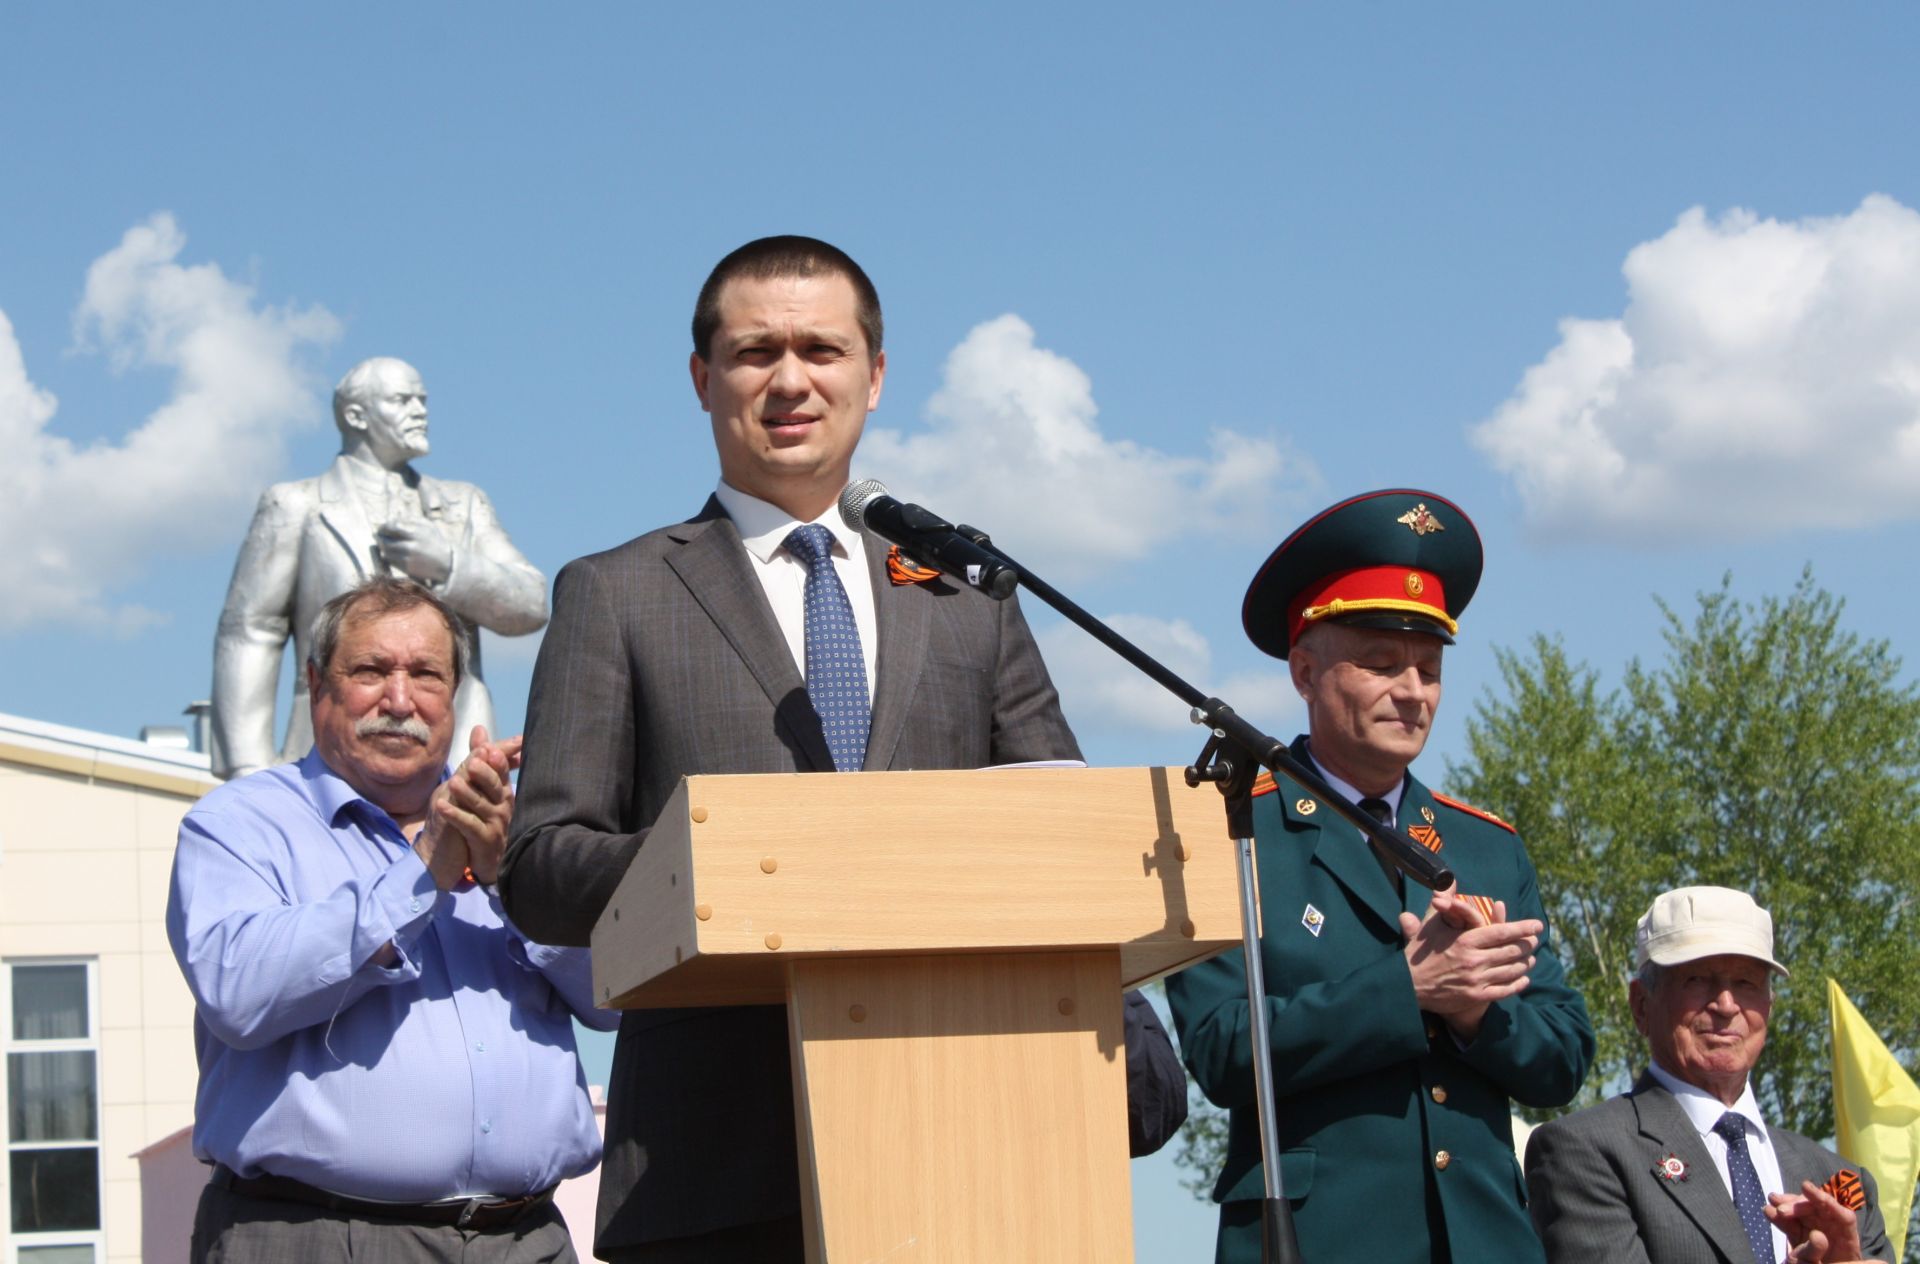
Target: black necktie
1748, 1197
1379, 811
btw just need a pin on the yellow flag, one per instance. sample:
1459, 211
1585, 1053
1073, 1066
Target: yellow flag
1876, 1112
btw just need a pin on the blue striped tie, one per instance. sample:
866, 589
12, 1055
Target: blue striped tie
836, 669
1748, 1197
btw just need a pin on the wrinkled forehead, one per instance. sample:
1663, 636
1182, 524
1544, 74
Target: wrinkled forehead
414, 634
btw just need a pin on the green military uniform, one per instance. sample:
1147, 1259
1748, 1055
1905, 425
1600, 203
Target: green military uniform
1395, 1139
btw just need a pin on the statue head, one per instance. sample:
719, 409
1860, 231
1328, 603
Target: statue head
381, 409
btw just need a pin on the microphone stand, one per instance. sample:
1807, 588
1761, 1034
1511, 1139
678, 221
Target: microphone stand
1234, 752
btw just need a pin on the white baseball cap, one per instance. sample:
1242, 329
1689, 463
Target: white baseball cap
1694, 922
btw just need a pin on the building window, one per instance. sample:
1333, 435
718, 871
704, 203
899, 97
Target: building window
51, 1041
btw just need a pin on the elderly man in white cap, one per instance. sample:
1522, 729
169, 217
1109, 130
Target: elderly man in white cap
1683, 1167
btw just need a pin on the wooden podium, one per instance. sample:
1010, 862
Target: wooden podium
951, 948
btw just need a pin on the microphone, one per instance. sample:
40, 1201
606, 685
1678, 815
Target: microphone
928, 537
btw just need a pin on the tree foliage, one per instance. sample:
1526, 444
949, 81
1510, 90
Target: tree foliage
1769, 750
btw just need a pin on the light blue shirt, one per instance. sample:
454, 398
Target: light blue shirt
451, 1072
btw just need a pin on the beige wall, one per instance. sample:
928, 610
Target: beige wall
87, 828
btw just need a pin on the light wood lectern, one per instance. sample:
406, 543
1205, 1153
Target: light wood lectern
951, 948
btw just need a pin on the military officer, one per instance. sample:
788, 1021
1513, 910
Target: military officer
1403, 1022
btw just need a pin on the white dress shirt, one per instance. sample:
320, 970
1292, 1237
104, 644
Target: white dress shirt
1391, 797
764, 529
1704, 1111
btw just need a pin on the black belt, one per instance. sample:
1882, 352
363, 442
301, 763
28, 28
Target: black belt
484, 1212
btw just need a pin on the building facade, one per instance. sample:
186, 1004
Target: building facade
95, 1021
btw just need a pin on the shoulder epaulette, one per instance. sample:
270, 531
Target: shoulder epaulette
1264, 784
1470, 810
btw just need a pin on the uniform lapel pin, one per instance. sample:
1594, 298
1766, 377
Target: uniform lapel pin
1314, 920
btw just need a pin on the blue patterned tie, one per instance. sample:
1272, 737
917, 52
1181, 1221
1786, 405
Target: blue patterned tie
1748, 1197
836, 670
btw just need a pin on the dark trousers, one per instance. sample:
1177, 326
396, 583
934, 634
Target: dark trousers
232, 1228
768, 1242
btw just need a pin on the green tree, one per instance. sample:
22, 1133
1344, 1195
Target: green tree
1770, 750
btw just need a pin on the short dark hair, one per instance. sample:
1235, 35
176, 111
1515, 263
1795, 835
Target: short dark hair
771, 257
372, 598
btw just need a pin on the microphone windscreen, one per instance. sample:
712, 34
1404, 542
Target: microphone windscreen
854, 499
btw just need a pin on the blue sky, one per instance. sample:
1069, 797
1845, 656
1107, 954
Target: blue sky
1158, 284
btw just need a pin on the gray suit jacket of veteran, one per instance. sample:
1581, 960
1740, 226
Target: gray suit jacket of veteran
663, 661
1594, 1187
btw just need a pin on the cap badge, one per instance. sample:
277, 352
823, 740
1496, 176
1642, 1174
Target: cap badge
1314, 920
1415, 585
1305, 807
1420, 520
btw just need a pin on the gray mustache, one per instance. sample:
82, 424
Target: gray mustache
374, 724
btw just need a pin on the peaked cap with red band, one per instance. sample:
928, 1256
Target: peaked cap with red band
1397, 558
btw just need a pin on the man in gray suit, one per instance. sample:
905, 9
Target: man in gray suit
370, 514
764, 635
1683, 1168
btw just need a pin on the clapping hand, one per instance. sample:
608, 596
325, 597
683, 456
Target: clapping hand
1461, 963
469, 813
1819, 1227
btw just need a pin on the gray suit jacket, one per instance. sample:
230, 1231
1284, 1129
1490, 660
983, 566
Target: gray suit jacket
664, 660
1596, 1195
308, 543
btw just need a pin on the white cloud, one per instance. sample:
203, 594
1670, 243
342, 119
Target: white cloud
1012, 445
78, 520
1102, 693
1764, 377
